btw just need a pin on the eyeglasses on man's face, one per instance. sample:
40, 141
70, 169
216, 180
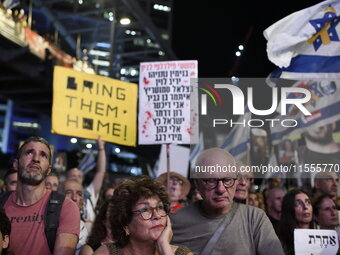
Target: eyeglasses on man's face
213, 182
147, 211
176, 181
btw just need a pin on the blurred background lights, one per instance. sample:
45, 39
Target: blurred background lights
125, 21
73, 140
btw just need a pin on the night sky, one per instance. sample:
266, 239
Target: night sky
210, 31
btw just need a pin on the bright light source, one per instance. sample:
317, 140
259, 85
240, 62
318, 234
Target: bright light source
161, 53
73, 140
241, 47
80, 2
117, 150
238, 53
125, 21
234, 79
89, 146
111, 18
103, 72
100, 62
99, 53
122, 71
133, 72
103, 45
160, 7
148, 40
133, 32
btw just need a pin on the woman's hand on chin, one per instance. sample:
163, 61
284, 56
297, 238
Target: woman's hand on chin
163, 242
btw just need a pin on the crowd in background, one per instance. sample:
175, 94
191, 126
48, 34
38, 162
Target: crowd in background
121, 219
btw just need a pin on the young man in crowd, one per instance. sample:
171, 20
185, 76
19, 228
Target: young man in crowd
215, 224
274, 206
11, 179
91, 192
26, 206
52, 181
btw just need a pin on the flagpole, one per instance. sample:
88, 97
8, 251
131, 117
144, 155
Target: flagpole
168, 165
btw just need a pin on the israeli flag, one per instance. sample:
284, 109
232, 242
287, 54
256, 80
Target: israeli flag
237, 142
87, 163
324, 107
306, 44
196, 151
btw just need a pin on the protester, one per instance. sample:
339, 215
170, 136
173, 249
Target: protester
29, 201
326, 183
325, 212
52, 181
91, 192
5, 231
100, 233
244, 229
74, 190
11, 179
320, 146
274, 206
139, 220
297, 212
179, 187
253, 199
244, 182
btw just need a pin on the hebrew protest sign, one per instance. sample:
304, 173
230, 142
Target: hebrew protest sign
315, 241
165, 105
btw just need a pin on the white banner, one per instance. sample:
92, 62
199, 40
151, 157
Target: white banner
315, 241
166, 109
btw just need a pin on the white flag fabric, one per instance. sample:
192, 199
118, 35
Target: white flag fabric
87, 163
324, 107
238, 140
196, 151
10, 4
306, 43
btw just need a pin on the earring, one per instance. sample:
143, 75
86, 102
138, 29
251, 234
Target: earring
127, 233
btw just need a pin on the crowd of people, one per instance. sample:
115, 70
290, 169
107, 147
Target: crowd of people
42, 215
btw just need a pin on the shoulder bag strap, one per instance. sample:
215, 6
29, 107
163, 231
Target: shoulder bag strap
216, 236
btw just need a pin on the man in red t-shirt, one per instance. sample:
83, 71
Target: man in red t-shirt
26, 206
178, 188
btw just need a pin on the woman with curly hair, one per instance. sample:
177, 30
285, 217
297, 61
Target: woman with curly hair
100, 233
297, 212
139, 220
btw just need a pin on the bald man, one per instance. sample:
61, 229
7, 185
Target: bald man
244, 229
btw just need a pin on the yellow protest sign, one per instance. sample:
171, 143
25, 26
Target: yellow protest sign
86, 105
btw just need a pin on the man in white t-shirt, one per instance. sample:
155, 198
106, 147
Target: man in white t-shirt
91, 192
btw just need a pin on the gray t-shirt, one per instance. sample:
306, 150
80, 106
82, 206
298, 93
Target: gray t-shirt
249, 232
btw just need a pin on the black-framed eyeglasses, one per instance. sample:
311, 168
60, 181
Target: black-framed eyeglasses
147, 212
212, 183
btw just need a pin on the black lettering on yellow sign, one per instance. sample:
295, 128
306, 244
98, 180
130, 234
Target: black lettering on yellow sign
97, 89
90, 106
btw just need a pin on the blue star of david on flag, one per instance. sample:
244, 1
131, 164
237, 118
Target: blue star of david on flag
324, 35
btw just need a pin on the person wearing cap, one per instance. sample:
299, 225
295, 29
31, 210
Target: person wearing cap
179, 187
